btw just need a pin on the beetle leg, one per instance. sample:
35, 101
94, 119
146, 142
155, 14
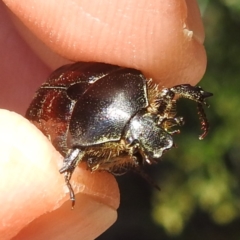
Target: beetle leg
204, 121
168, 123
69, 164
67, 176
166, 103
138, 159
147, 178
198, 95
71, 160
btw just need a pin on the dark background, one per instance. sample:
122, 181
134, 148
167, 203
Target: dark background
200, 180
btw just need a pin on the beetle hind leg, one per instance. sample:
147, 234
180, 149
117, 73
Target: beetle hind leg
69, 164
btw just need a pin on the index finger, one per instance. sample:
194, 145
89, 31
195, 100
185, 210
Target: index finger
164, 39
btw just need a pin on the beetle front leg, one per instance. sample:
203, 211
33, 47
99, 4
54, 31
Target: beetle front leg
138, 155
204, 121
198, 95
166, 103
69, 164
168, 123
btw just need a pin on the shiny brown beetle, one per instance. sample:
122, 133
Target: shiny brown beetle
109, 116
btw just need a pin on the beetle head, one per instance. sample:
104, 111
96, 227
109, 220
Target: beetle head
150, 138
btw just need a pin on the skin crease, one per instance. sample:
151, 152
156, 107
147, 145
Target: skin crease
162, 38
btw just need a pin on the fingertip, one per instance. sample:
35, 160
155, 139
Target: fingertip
31, 185
157, 37
26, 191
86, 221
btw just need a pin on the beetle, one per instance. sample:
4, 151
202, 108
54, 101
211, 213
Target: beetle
111, 117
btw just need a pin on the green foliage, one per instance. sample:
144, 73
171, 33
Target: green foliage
206, 175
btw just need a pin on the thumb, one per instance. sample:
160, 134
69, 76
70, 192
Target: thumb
31, 187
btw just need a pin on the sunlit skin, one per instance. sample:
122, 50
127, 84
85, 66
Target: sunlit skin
164, 39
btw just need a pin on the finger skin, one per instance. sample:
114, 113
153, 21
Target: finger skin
30, 185
174, 53
161, 38
21, 71
24, 196
66, 224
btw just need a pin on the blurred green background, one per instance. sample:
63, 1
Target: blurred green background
200, 180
